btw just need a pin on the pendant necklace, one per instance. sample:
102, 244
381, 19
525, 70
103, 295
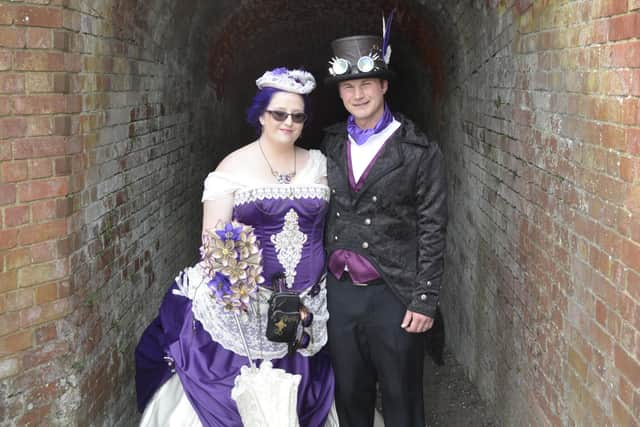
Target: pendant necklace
281, 178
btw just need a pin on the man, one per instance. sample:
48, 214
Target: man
385, 239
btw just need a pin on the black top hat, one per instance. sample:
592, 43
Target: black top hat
357, 57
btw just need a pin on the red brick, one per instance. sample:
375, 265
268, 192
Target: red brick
62, 166
7, 14
41, 232
45, 210
44, 313
7, 194
40, 104
12, 37
633, 285
633, 140
62, 125
629, 169
38, 190
46, 333
40, 125
629, 367
625, 391
17, 258
38, 16
9, 279
39, 82
45, 354
602, 8
12, 127
631, 254
5, 61
631, 111
46, 293
601, 313
621, 415
8, 239
626, 54
46, 146
16, 216
12, 344
5, 151
624, 27
9, 323
17, 300
39, 38
37, 416
40, 168
11, 83
43, 252
14, 171
30, 60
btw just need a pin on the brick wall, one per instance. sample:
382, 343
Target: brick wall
104, 146
112, 112
542, 303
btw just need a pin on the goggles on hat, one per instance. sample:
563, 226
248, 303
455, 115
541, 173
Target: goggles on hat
340, 66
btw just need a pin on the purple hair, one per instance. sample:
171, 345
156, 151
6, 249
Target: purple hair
261, 102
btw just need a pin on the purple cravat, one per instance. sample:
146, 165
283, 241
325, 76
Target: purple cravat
360, 136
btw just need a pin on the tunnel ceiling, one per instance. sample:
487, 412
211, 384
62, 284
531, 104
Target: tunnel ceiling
258, 35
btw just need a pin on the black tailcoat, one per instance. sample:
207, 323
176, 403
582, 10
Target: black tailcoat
398, 218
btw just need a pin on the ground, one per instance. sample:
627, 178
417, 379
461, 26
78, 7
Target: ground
451, 400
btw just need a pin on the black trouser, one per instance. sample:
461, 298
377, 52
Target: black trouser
367, 346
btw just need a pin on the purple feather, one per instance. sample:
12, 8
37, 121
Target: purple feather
387, 32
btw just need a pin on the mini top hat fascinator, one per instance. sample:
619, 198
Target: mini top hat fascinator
357, 57
296, 81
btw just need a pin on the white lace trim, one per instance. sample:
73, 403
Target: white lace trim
222, 327
281, 192
288, 245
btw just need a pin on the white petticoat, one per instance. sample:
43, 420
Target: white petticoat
170, 407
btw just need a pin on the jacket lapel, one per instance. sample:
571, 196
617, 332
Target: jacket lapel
337, 153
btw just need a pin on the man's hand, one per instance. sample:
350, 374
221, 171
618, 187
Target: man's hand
416, 323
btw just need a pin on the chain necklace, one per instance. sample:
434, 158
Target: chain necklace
281, 178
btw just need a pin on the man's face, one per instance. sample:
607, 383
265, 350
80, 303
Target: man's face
364, 99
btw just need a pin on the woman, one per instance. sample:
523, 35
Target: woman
280, 190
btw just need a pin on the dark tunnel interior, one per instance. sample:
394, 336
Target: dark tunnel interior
300, 37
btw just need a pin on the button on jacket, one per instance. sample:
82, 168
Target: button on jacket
398, 218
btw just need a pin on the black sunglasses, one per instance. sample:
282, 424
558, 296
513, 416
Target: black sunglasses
281, 116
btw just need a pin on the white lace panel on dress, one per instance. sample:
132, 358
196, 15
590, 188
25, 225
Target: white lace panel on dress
222, 326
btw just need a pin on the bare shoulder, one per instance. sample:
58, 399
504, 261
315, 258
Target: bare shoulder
238, 160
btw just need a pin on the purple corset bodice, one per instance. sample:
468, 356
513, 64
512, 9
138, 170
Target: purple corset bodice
290, 232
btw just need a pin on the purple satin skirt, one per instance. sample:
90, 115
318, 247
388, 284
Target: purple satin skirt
208, 371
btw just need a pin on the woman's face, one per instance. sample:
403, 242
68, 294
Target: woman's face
287, 131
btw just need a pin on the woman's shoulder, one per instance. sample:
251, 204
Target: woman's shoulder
238, 160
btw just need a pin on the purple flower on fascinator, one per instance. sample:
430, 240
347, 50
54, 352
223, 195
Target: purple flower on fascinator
280, 70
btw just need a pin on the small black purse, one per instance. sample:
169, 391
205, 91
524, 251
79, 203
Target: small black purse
283, 315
